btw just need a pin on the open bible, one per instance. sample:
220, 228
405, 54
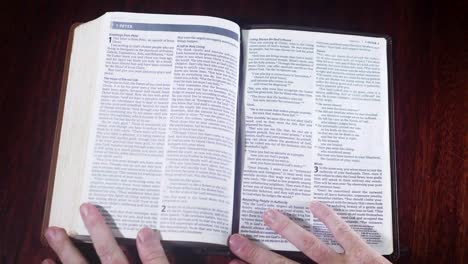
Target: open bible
194, 126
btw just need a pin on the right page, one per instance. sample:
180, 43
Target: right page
316, 126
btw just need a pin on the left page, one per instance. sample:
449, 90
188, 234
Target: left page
76, 98
162, 142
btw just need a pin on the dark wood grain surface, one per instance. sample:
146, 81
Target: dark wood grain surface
431, 95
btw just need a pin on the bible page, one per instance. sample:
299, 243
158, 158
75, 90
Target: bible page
316, 127
162, 144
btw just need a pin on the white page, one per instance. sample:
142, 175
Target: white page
162, 147
316, 125
77, 108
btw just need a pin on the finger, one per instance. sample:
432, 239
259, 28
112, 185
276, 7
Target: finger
342, 232
60, 242
236, 261
103, 240
251, 253
305, 241
149, 247
48, 261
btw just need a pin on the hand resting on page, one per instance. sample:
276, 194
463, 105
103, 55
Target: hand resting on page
148, 242
355, 249
150, 249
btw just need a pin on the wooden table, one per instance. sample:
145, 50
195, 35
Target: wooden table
431, 87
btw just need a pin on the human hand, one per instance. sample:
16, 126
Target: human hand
148, 242
355, 248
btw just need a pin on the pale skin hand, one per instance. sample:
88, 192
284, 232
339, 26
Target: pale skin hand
151, 252
148, 242
355, 249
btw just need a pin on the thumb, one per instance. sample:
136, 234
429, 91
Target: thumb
149, 247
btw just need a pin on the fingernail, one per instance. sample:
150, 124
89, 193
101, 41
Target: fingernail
314, 205
84, 210
270, 216
147, 234
236, 241
51, 234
